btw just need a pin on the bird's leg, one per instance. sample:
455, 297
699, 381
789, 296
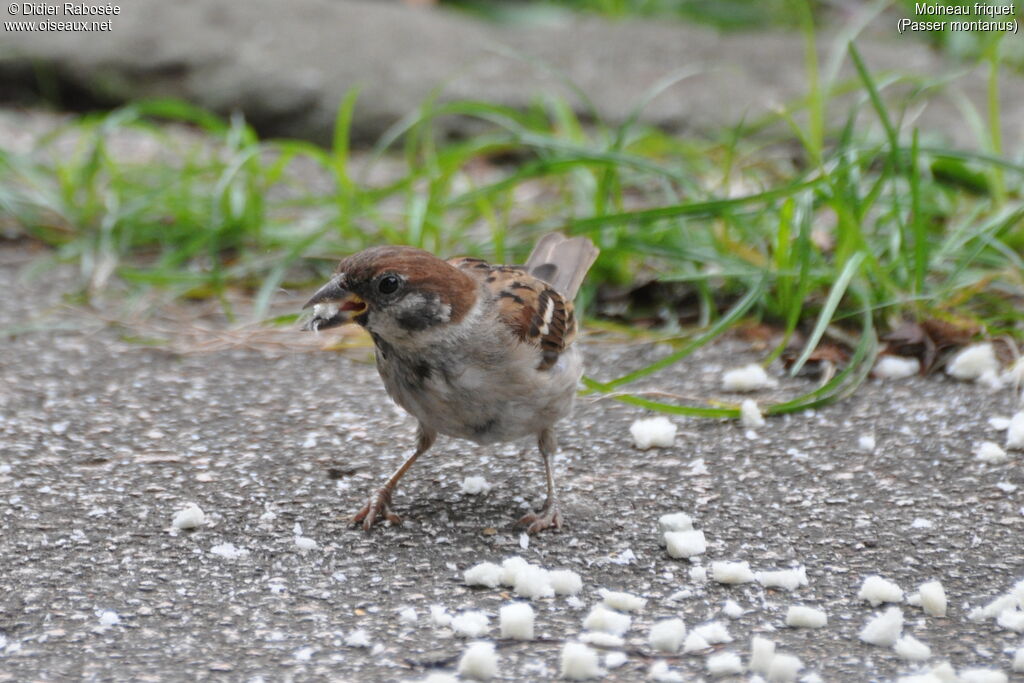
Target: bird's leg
379, 505
549, 516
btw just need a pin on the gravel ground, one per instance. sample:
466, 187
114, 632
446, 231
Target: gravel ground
102, 441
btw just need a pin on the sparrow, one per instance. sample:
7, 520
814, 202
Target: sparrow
471, 350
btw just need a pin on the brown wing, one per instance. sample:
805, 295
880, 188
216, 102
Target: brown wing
531, 308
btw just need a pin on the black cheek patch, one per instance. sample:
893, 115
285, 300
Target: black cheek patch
430, 313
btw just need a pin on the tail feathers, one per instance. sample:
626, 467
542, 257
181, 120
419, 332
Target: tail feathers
562, 262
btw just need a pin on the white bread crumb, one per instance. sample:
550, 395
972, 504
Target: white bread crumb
789, 579
516, 621
877, 590
565, 581
990, 452
1015, 432
471, 624
695, 642
685, 543
732, 609
762, 650
933, 598
802, 616
747, 378
677, 521
579, 662
913, 650
714, 632
613, 660
667, 635
731, 572
484, 574
896, 367
784, 668
655, 432
475, 485
982, 676
884, 629
479, 661
750, 414
189, 517
605, 620
624, 602
973, 362
724, 664
532, 582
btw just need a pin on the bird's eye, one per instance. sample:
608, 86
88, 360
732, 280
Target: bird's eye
388, 284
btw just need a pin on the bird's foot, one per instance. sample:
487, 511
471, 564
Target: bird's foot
377, 509
548, 518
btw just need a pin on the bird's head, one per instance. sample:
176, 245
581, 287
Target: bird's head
394, 292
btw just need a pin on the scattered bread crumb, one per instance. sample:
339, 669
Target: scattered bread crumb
877, 590
982, 676
731, 572
866, 443
532, 582
605, 620
762, 650
579, 662
667, 635
973, 362
784, 668
516, 621
750, 414
510, 568
439, 616
484, 574
655, 432
677, 521
661, 673
801, 616
990, 452
613, 660
896, 367
1015, 432
724, 664
695, 642
884, 629
685, 543
471, 624
475, 485
565, 581
789, 579
714, 632
750, 377
479, 661
189, 517
732, 609
913, 650
625, 602
933, 598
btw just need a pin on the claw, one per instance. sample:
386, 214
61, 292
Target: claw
549, 517
378, 508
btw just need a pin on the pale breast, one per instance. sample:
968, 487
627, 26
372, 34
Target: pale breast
482, 395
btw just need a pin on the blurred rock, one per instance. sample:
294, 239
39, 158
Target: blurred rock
287, 65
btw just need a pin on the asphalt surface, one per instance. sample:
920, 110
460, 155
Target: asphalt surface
101, 441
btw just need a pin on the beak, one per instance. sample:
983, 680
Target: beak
332, 305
